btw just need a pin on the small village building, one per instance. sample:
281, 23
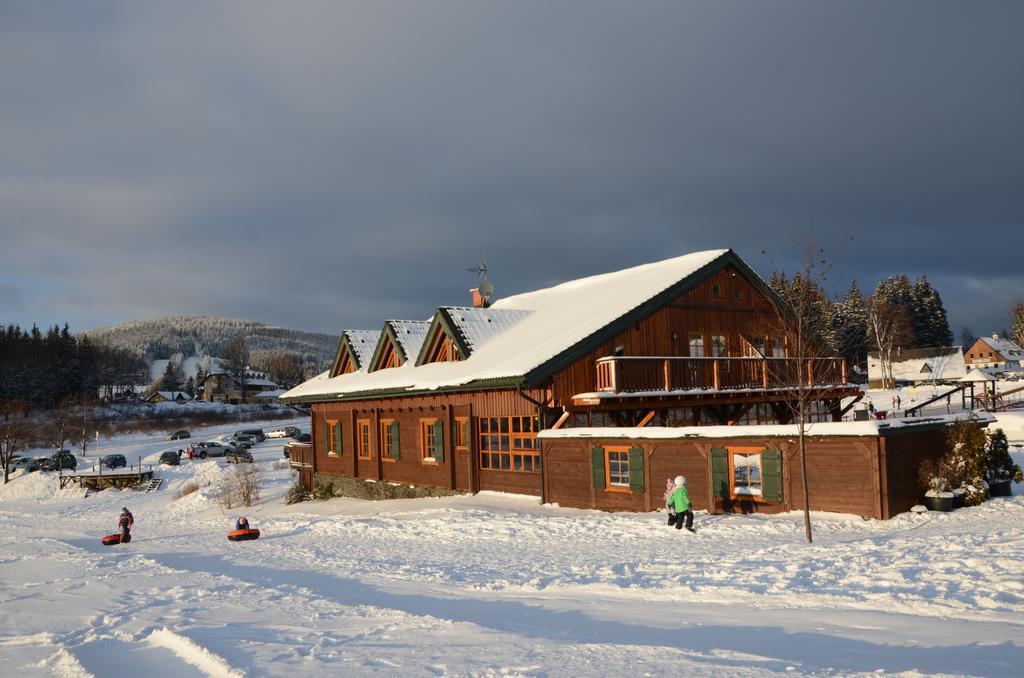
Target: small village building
592, 392
995, 355
222, 387
179, 397
913, 367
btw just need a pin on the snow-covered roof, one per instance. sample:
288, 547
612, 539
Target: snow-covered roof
977, 375
410, 334
276, 393
927, 364
828, 428
552, 321
478, 325
172, 395
1007, 348
363, 342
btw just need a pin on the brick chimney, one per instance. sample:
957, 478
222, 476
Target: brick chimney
479, 300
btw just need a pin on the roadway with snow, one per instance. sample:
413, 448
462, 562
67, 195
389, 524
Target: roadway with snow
492, 584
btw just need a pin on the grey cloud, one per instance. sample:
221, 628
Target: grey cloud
330, 164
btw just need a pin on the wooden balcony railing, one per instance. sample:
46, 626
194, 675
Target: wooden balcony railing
630, 374
300, 455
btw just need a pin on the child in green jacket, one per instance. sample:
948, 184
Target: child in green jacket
680, 503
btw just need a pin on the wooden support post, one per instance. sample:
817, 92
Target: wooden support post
561, 420
810, 372
614, 374
842, 368
714, 370
647, 419
666, 370
764, 374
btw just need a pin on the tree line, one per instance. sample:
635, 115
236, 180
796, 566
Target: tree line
898, 314
45, 369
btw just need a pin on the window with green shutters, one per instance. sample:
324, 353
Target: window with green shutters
395, 441
332, 438
618, 468
389, 439
752, 473
325, 436
432, 440
337, 437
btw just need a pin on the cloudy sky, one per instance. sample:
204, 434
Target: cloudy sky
328, 164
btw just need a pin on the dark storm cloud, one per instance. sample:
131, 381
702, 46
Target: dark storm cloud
322, 165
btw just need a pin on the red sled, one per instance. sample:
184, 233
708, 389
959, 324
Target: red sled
112, 539
243, 535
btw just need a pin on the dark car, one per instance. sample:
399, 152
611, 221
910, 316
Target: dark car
298, 439
238, 457
29, 464
256, 433
114, 461
62, 459
170, 458
179, 435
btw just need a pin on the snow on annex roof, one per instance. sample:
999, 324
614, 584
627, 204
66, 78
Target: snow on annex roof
410, 334
554, 319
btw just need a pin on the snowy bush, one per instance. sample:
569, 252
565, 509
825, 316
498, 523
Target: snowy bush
932, 479
966, 463
1000, 466
296, 493
240, 487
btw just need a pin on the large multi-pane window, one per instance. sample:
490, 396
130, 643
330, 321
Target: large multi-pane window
778, 348
509, 444
386, 449
428, 439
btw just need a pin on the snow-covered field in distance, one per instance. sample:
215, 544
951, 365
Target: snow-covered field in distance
491, 584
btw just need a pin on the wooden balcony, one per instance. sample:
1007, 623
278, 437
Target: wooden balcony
635, 374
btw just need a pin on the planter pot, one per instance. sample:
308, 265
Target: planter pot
939, 503
1002, 488
958, 500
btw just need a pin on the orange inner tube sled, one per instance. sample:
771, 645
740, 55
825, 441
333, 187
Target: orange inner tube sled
243, 535
112, 539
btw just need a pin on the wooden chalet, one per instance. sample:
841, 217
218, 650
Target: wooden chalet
459, 401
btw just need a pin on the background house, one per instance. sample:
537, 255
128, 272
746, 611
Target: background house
919, 366
995, 354
222, 387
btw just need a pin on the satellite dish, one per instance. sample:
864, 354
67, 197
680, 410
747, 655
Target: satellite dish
486, 290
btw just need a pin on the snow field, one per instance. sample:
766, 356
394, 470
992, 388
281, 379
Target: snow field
493, 584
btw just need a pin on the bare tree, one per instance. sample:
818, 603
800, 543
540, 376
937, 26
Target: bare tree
235, 361
889, 328
1017, 322
806, 367
57, 427
285, 369
16, 429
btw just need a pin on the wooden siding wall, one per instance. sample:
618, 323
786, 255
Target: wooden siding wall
843, 473
696, 311
459, 469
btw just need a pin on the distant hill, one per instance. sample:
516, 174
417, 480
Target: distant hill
182, 337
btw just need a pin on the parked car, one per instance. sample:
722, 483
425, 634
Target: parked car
256, 433
300, 439
28, 464
211, 448
170, 458
179, 435
113, 461
240, 438
61, 459
284, 432
238, 457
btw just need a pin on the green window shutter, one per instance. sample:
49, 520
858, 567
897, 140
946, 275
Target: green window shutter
337, 437
597, 466
323, 438
396, 443
636, 469
771, 475
439, 441
719, 472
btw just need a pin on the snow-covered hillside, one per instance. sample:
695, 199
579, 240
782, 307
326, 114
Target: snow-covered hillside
492, 584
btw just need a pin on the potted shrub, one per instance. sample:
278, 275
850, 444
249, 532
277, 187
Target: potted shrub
966, 462
937, 496
1001, 471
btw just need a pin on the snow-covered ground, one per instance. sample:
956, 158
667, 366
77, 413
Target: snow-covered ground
492, 585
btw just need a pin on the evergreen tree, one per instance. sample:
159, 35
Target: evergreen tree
190, 387
850, 326
928, 316
172, 378
819, 307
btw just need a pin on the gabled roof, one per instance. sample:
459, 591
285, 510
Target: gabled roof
358, 345
555, 327
171, 395
406, 336
1008, 349
942, 363
469, 327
